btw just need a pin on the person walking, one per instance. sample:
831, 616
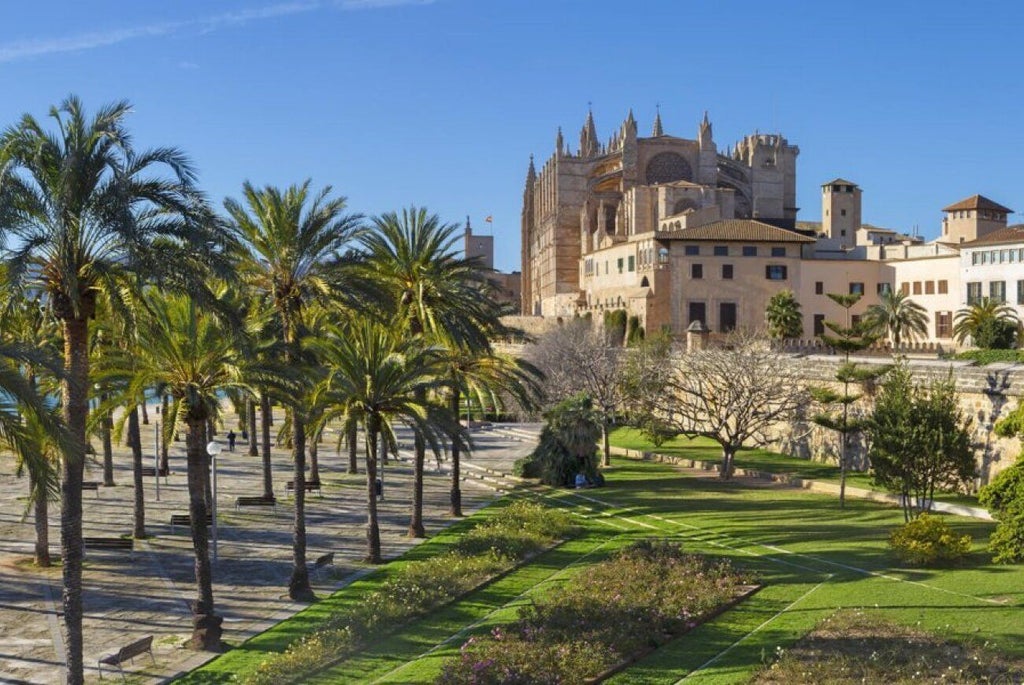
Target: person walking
231, 441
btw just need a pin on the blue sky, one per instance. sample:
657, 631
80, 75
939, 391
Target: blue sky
441, 103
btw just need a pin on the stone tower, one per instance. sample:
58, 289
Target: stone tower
840, 210
479, 247
973, 218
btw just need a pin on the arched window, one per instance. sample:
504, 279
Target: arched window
666, 167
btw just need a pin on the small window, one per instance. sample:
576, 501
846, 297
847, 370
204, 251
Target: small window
842, 232
842, 212
884, 288
696, 271
778, 252
721, 251
697, 312
775, 272
819, 325
856, 288
943, 287
929, 287
917, 287
973, 293
631, 263
943, 324
975, 259
1020, 292
819, 287
726, 316
997, 291
905, 288
619, 264
692, 250
750, 250
727, 271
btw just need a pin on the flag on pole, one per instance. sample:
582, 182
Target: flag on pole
489, 219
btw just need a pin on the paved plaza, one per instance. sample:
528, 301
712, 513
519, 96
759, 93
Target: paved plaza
128, 596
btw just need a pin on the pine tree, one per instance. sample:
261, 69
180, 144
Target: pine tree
846, 338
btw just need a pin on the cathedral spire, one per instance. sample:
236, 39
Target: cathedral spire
559, 142
657, 130
704, 134
531, 174
588, 136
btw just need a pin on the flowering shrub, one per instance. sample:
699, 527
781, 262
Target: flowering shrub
928, 540
418, 588
643, 597
1004, 497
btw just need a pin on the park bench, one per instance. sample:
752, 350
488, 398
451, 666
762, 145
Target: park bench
128, 653
150, 471
260, 501
322, 562
186, 520
108, 544
308, 486
91, 485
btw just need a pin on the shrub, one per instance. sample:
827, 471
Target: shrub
520, 529
1004, 497
928, 540
526, 467
568, 442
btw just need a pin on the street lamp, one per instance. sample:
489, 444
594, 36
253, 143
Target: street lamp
213, 449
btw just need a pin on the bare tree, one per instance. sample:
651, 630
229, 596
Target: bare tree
575, 358
735, 395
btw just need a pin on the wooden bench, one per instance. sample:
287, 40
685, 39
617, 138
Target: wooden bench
91, 485
308, 486
150, 471
108, 544
128, 653
322, 562
186, 520
260, 501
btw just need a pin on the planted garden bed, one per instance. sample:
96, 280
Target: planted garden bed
484, 553
602, 619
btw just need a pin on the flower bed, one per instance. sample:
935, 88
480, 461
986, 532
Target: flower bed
516, 532
603, 618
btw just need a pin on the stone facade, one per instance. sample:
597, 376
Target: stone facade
605, 195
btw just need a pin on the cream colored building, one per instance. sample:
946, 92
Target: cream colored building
672, 231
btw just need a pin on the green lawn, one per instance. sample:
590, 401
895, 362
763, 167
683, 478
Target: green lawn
758, 459
811, 557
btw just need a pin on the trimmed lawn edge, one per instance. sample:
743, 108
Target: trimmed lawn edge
747, 591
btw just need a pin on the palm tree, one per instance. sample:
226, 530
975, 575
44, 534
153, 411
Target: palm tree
375, 379
484, 377
434, 293
81, 208
898, 317
194, 358
989, 323
783, 316
289, 245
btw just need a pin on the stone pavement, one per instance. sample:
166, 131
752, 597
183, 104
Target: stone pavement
146, 593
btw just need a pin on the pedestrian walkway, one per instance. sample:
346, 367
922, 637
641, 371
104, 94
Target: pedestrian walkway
129, 596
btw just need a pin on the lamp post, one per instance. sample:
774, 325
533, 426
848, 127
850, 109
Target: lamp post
156, 457
213, 449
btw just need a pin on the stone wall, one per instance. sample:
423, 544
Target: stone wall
986, 394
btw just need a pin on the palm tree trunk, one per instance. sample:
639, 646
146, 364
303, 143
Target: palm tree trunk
37, 491
416, 529
135, 437
352, 438
298, 586
456, 490
372, 527
205, 438
165, 464
314, 461
74, 389
206, 625
145, 412
250, 427
106, 427
268, 474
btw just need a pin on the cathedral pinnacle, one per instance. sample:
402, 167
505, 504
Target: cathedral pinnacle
588, 137
559, 142
657, 130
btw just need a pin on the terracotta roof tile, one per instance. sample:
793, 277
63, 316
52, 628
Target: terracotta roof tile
740, 230
1010, 234
976, 202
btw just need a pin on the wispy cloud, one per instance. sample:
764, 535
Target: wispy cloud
37, 47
